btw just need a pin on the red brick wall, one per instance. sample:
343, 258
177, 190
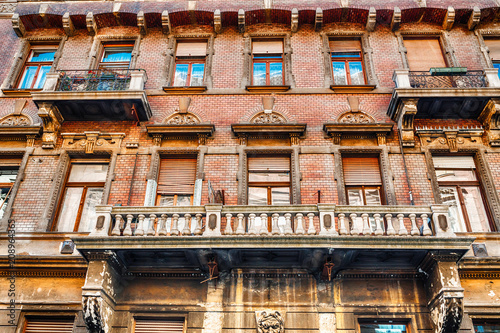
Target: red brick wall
317, 174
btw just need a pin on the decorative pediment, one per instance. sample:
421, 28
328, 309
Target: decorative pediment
357, 117
16, 120
91, 141
18, 126
160, 132
453, 138
265, 117
182, 119
269, 130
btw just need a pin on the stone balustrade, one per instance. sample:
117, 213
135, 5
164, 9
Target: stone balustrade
257, 221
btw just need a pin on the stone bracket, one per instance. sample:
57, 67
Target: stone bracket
241, 21
52, 121
141, 23
490, 118
474, 19
217, 21
372, 19
318, 20
294, 25
18, 25
449, 19
68, 26
91, 24
396, 19
404, 118
165, 22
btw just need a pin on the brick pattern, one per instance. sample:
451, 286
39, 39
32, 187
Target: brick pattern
317, 174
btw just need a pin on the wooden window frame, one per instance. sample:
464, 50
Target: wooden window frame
38, 64
9, 186
85, 186
122, 65
27, 318
190, 60
159, 317
383, 321
175, 195
346, 61
363, 189
362, 186
268, 61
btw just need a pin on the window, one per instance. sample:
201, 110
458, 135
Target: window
363, 183
116, 55
269, 181
190, 64
377, 326
176, 181
267, 56
459, 187
422, 54
83, 191
8, 175
49, 325
347, 62
36, 67
494, 47
486, 326
170, 325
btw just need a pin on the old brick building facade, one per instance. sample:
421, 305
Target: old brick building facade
271, 166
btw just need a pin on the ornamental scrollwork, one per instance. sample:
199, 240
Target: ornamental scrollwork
16, 120
182, 119
355, 118
268, 118
269, 321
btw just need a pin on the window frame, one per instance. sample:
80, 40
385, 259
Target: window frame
39, 64
190, 60
388, 321
380, 187
484, 321
25, 318
346, 61
158, 196
120, 65
159, 317
268, 61
269, 185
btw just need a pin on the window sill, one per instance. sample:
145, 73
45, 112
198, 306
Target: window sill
352, 88
19, 92
185, 90
260, 89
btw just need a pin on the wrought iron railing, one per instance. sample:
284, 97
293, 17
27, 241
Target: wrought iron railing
95, 80
470, 79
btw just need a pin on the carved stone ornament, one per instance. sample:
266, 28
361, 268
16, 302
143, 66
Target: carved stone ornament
351, 117
182, 119
16, 120
51, 124
455, 138
268, 118
91, 141
447, 314
92, 307
270, 321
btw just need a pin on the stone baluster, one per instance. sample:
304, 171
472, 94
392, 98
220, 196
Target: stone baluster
240, 229
355, 230
275, 228
116, 229
288, 224
128, 228
139, 230
174, 231
229, 229
378, 225
151, 230
300, 227
187, 221
198, 231
162, 225
414, 230
311, 230
251, 224
342, 228
402, 228
263, 225
390, 227
366, 224
426, 231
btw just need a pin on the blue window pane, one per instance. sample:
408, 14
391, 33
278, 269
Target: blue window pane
181, 73
339, 73
267, 56
346, 55
197, 74
259, 74
276, 73
117, 55
42, 56
28, 77
40, 80
382, 328
497, 66
356, 71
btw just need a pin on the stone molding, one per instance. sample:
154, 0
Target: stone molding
455, 138
91, 141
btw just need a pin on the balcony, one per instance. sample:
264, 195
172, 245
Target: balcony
96, 95
301, 236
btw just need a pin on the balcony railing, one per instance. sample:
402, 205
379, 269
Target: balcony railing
95, 80
258, 221
470, 79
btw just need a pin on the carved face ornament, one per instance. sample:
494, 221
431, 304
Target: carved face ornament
271, 322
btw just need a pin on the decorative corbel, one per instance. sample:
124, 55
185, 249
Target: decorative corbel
141, 23
449, 19
318, 20
116, 13
91, 141
422, 3
91, 24
490, 118
243, 138
381, 139
474, 18
336, 138
18, 25
52, 121
451, 138
396, 19
344, 3
42, 12
202, 139
217, 21
165, 22
294, 139
68, 26
241, 21
157, 138
191, 7
408, 110
295, 20
372, 19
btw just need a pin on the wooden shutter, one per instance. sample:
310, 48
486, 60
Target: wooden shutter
10, 161
494, 47
269, 164
345, 45
187, 49
265, 47
361, 171
454, 162
56, 325
423, 54
177, 176
159, 326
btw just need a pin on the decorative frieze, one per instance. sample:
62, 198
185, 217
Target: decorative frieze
91, 141
454, 138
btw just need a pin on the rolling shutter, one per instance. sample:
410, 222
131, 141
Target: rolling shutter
265, 47
345, 45
361, 171
494, 47
10, 161
177, 176
268, 164
159, 326
186, 49
453, 162
423, 54
59, 325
